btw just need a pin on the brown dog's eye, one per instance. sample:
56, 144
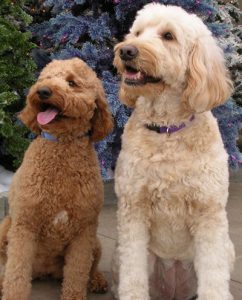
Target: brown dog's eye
71, 83
168, 36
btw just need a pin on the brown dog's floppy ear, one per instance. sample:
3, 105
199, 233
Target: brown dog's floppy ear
29, 117
102, 121
208, 81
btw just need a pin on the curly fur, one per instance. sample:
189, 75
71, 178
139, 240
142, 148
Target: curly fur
172, 189
57, 193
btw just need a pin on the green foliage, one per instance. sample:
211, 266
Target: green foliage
13, 11
16, 145
16, 75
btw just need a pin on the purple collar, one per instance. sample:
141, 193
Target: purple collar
168, 129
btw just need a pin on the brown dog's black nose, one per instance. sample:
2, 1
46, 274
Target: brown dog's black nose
128, 52
44, 92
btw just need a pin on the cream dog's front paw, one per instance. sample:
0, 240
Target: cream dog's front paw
214, 295
134, 295
133, 298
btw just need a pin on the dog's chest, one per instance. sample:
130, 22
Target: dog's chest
61, 225
170, 216
169, 234
61, 219
161, 186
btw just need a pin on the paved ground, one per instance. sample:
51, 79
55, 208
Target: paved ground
50, 290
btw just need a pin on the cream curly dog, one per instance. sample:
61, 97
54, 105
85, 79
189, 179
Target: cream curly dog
172, 172
57, 193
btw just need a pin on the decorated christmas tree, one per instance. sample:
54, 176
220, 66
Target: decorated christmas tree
90, 29
16, 74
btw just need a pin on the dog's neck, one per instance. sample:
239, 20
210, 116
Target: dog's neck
166, 109
53, 138
169, 129
49, 136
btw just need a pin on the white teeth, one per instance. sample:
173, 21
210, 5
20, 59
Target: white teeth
133, 76
137, 76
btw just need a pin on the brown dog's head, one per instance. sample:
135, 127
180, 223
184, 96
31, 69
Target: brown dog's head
68, 98
169, 49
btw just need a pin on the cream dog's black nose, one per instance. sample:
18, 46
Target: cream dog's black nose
128, 52
44, 92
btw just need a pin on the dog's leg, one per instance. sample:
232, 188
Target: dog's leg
4, 228
213, 256
133, 250
78, 262
97, 283
20, 253
115, 266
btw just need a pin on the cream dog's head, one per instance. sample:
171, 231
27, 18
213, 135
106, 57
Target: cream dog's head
169, 49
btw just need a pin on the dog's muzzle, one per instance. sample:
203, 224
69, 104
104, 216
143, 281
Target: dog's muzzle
44, 93
128, 52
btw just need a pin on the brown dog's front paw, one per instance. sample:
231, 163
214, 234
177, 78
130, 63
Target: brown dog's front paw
71, 293
12, 297
98, 284
16, 289
73, 296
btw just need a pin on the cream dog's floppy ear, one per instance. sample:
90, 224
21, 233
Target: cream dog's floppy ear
102, 121
208, 82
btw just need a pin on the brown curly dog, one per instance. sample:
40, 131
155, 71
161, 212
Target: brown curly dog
57, 193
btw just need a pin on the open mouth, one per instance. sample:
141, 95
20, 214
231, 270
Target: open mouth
48, 114
133, 76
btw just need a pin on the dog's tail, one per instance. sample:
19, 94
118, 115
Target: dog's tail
4, 228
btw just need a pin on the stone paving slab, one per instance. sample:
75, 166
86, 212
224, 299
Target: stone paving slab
3, 203
50, 290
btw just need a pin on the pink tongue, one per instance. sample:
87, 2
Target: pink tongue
47, 116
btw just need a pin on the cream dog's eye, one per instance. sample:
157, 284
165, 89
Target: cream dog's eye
137, 33
71, 83
168, 36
